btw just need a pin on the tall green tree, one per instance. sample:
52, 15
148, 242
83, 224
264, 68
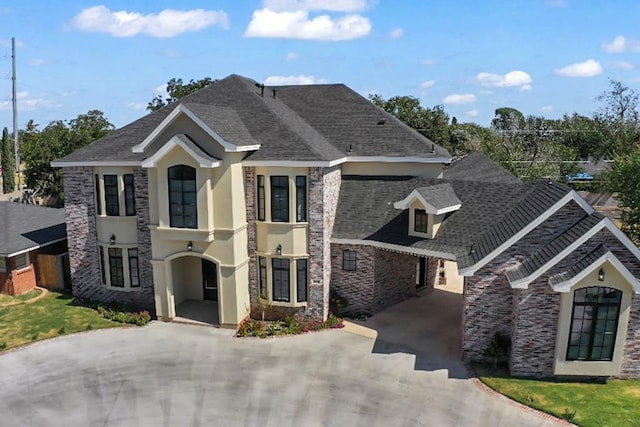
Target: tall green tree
7, 162
177, 89
430, 122
624, 179
619, 120
56, 140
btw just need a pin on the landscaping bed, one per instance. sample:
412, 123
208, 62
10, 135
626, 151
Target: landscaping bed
587, 404
289, 326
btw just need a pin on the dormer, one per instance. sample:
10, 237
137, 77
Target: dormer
427, 208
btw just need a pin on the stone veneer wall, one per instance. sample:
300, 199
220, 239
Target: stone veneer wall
250, 205
395, 278
534, 327
631, 357
84, 260
355, 288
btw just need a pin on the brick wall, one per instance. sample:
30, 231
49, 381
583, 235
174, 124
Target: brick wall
84, 260
146, 296
533, 336
395, 278
355, 288
631, 357
19, 281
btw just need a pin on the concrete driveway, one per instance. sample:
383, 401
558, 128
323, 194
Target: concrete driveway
169, 374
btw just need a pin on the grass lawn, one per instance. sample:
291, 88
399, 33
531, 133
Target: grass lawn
6, 299
48, 317
616, 403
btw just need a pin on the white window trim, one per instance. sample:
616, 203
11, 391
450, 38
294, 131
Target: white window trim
126, 272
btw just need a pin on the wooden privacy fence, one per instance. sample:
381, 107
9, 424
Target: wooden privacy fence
53, 271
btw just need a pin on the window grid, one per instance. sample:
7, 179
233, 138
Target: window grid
594, 323
301, 280
421, 221
98, 196
301, 198
281, 279
129, 198
280, 199
134, 270
262, 265
183, 208
261, 198
349, 259
115, 267
111, 195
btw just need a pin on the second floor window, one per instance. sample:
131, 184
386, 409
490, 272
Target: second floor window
421, 221
261, 200
111, 195
129, 198
280, 199
183, 207
301, 198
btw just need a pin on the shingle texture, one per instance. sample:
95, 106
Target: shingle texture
302, 123
579, 266
25, 226
440, 196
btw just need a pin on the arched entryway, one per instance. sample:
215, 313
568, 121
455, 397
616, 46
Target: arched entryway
195, 289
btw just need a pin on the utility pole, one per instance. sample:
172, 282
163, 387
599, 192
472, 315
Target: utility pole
14, 103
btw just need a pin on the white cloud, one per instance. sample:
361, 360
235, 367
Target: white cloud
330, 5
547, 109
473, 112
622, 65
588, 68
167, 23
137, 105
620, 44
28, 102
267, 23
427, 84
526, 88
467, 98
161, 91
396, 33
512, 78
36, 62
428, 62
292, 56
292, 80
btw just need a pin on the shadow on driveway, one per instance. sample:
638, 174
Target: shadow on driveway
428, 326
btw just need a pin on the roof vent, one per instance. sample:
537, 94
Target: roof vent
350, 148
274, 93
433, 148
381, 122
261, 86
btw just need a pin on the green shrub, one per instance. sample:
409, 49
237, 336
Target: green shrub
3, 345
291, 325
498, 349
61, 331
568, 414
123, 315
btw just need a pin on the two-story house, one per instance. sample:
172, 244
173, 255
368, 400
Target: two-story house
269, 199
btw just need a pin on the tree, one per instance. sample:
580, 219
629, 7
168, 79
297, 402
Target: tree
7, 162
56, 140
177, 89
619, 119
583, 135
624, 179
430, 122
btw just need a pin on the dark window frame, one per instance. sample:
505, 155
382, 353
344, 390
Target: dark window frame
601, 324
420, 221
134, 272
262, 277
98, 195
116, 268
129, 195
178, 199
301, 198
281, 279
261, 198
111, 195
279, 198
302, 280
103, 271
349, 260
22, 266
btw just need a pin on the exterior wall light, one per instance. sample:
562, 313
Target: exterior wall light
601, 275
112, 239
190, 246
279, 249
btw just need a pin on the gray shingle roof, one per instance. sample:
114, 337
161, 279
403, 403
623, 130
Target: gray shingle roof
440, 196
25, 226
476, 166
579, 265
554, 247
195, 147
303, 123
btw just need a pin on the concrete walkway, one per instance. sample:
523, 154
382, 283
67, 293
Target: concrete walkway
169, 374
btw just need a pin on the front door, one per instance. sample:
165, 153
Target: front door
421, 275
209, 280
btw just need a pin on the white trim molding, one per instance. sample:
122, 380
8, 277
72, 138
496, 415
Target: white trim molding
152, 161
95, 163
430, 209
396, 248
336, 162
607, 257
570, 196
182, 109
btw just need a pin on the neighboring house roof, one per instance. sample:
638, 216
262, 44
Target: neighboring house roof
299, 123
24, 227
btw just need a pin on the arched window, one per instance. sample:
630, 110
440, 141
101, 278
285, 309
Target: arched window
183, 207
594, 323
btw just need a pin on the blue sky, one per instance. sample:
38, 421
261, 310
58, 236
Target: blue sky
543, 57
